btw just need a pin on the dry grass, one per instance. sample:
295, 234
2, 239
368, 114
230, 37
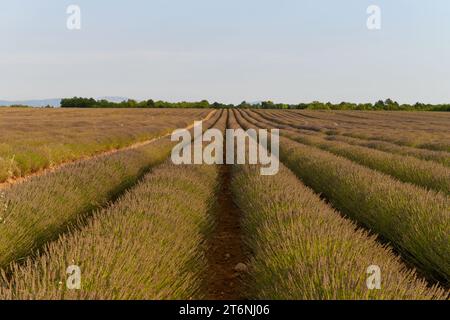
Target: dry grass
35, 139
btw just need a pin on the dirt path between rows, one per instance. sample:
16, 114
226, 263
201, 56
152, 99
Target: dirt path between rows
226, 247
13, 181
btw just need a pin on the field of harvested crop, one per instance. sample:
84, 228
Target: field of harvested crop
359, 209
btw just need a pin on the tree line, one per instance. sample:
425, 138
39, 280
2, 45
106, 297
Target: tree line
77, 102
388, 104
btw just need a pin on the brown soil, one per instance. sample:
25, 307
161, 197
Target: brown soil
225, 248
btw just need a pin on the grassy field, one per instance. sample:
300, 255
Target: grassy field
354, 190
32, 140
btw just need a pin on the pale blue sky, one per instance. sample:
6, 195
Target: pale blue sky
230, 50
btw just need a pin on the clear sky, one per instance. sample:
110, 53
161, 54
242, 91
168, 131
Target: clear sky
229, 50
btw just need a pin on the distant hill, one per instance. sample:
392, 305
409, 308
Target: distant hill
52, 102
32, 103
